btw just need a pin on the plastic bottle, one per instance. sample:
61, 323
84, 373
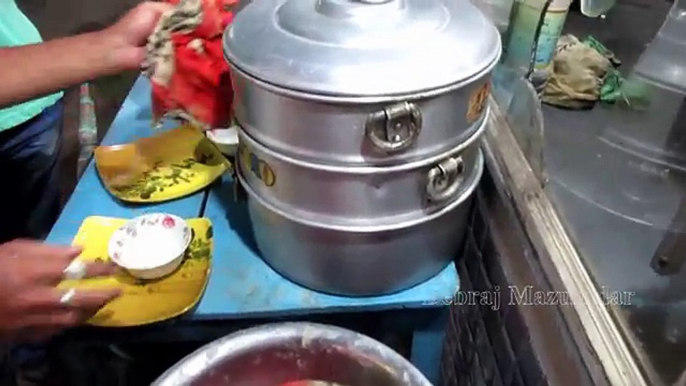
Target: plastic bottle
553, 23
521, 36
527, 16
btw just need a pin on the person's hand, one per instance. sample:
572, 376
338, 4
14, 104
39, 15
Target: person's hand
127, 38
31, 307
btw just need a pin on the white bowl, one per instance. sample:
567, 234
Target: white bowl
226, 140
150, 246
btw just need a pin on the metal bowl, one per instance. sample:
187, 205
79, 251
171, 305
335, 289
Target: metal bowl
273, 354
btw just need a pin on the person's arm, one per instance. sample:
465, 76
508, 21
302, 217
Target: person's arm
35, 70
31, 71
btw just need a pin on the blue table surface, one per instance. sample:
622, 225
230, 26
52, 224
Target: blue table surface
241, 285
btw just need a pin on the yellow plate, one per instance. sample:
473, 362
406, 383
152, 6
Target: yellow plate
164, 167
144, 302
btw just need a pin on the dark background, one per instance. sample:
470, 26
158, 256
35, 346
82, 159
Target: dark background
61, 18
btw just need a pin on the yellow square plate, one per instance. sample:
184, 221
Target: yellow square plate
164, 167
144, 302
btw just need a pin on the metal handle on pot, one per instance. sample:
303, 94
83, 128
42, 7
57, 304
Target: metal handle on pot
395, 128
445, 179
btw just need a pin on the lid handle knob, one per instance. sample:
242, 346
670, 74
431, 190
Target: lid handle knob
351, 8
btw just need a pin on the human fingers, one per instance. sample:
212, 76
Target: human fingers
52, 272
57, 319
159, 7
52, 299
54, 316
88, 300
140, 22
127, 38
31, 248
100, 269
79, 269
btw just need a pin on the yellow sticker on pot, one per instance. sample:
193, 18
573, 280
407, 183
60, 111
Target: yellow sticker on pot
266, 174
251, 163
477, 102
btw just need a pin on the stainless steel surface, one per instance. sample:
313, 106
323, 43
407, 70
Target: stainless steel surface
359, 195
335, 131
362, 48
360, 125
340, 259
273, 354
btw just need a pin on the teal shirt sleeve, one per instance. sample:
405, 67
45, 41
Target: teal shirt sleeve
17, 30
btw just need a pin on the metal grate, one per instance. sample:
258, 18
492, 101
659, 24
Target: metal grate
487, 345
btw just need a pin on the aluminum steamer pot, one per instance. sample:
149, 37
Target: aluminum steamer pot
361, 82
274, 354
360, 260
361, 194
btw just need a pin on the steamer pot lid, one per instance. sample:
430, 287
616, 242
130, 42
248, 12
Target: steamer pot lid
361, 47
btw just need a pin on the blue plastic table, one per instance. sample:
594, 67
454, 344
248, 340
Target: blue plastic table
241, 285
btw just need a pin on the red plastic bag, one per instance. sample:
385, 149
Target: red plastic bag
185, 62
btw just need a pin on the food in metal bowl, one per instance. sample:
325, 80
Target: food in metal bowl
294, 354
